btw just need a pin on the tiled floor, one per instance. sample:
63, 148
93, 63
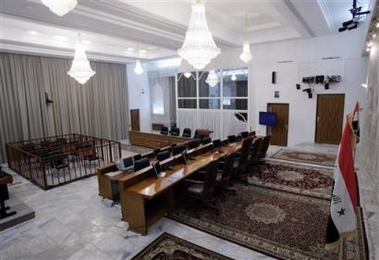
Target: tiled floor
72, 222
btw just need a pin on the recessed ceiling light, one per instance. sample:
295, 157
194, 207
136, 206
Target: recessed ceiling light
130, 49
59, 37
142, 51
86, 42
33, 32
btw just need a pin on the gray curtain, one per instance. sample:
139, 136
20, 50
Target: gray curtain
98, 108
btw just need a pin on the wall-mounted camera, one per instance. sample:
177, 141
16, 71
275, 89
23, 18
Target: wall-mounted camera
309, 92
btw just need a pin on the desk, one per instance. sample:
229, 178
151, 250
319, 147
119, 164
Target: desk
4, 195
145, 199
154, 141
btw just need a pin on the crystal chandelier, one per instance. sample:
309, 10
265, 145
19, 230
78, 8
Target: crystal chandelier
80, 69
198, 47
246, 54
60, 7
212, 78
138, 68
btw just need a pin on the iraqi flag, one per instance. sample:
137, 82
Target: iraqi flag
342, 218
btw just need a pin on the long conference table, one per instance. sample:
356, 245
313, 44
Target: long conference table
145, 198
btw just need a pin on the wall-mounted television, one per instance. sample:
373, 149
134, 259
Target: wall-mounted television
267, 118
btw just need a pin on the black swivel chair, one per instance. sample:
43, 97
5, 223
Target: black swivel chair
175, 131
140, 164
193, 144
186, 132
164, 130
244, 134
163, 155
240, 164
204, 191
178, 149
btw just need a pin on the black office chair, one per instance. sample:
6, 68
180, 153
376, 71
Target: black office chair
175, 131
186, 132
224, 175
262, 151
156, 151
140, 164
240, 164
163, 155
204, 191
164, 130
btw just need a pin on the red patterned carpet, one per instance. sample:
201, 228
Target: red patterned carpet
168, 247
279, 224
310, 181
305, 157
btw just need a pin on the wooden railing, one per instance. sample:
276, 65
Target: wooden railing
53, 161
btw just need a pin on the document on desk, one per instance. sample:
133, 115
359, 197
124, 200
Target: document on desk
111, 174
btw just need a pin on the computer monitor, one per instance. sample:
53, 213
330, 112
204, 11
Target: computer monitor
206, 140
137, 157
178, 149
128, 162
125, 164
193, 144
158, 169
216, 144
232, 139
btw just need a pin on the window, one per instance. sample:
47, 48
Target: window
231, 93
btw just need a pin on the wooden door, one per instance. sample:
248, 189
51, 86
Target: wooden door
134, 119
280, 131
329, 118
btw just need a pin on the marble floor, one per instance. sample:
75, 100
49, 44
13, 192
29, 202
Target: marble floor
73, 222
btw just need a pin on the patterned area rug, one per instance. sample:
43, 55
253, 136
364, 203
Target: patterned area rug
168, 247
310, 181
305, 157
279, 224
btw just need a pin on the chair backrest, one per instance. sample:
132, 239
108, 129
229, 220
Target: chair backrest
254, 150
186, 132
164, 130
140, 164
264, 147
163, 155
227, 170
210, 179
245, 149
175, 131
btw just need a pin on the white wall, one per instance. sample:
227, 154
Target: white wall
306, 59
139, 96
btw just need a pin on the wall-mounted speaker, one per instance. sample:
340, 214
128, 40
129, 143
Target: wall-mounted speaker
273, 77
297, 86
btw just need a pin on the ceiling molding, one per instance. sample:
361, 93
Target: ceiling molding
326, 12
293, 9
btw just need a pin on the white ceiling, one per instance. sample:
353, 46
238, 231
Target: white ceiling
121, 30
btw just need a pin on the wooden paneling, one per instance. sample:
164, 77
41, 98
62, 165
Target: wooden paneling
329, 118
280, 131
154, 140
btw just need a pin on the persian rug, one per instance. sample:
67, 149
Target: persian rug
305, 180
305, 157
168, 247
280, 224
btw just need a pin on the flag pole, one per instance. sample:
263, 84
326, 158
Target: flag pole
340, 251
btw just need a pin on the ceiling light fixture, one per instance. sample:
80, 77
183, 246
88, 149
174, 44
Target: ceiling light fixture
60, 7
80, 69
199, 47
212, 78
246, 54
138, 68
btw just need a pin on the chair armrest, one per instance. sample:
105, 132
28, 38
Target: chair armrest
193, 181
